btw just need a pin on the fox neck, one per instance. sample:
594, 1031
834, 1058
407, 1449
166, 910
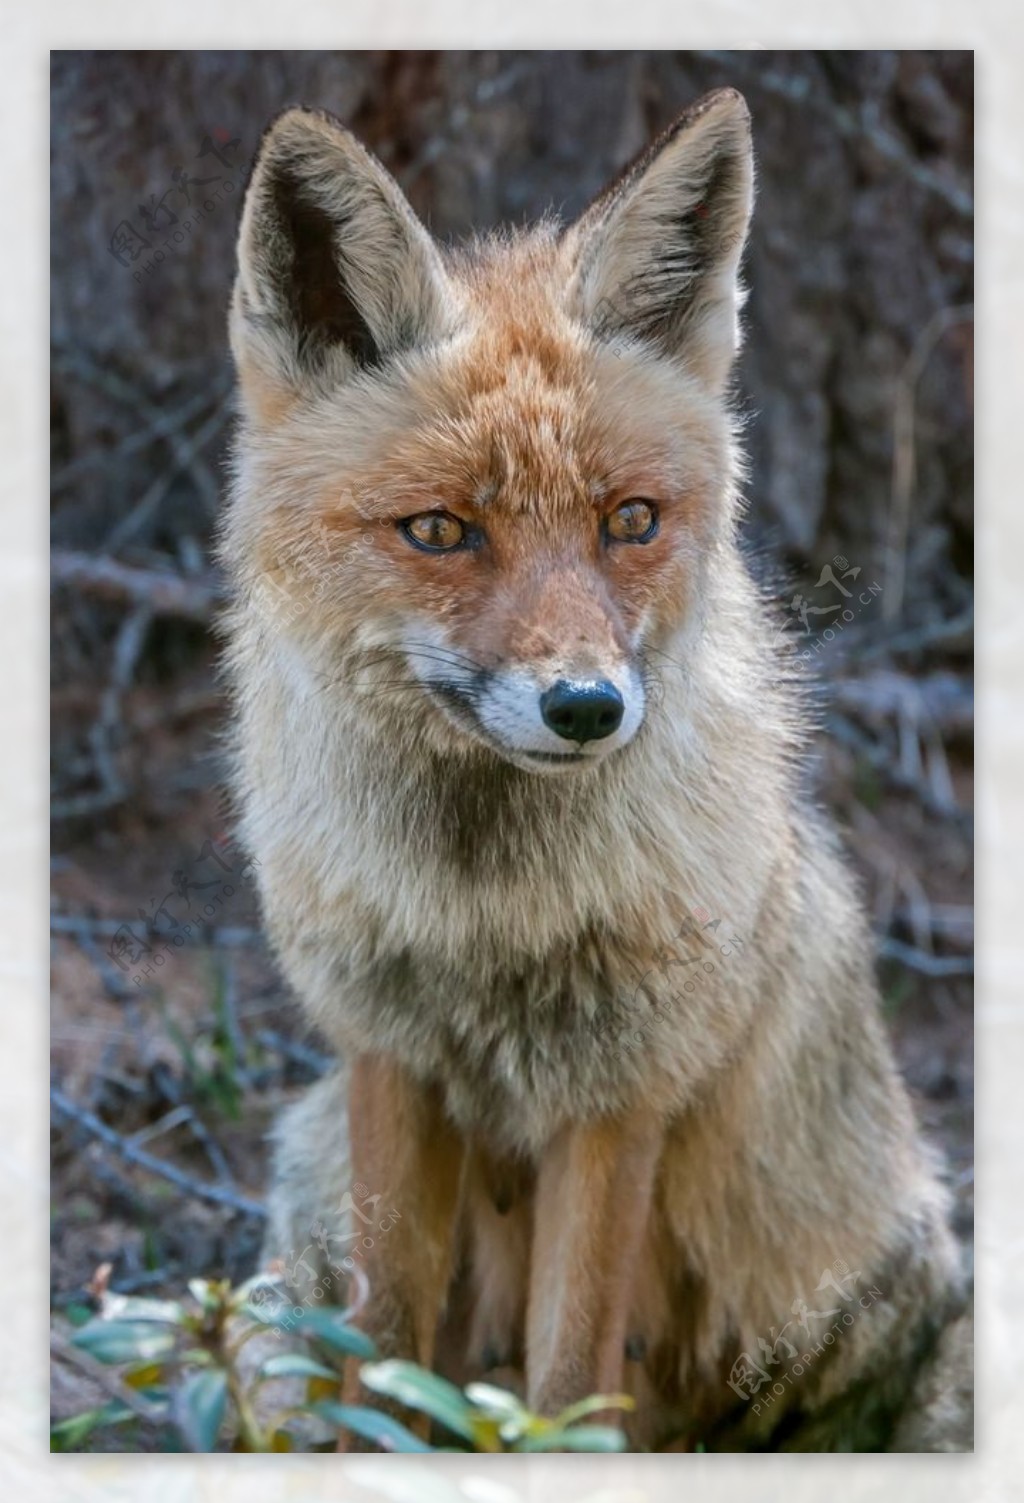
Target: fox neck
437, 841
663, 825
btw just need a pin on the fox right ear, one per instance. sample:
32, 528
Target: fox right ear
657, 255
335, 272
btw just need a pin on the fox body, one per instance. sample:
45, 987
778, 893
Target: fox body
522, 771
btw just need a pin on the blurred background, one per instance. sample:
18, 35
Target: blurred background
174, 1041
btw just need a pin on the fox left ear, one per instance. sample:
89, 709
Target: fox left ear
336, 275
657, 255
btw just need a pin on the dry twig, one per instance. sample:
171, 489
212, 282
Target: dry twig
216, 1194
104, 1377
164, 593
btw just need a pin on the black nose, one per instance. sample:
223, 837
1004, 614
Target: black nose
582, 711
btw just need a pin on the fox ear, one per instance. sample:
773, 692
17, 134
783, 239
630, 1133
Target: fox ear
657, 255
335, 272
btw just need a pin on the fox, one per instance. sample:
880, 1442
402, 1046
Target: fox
522, 761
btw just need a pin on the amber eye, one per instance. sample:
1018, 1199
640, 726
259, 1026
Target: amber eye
437, 530
633, 522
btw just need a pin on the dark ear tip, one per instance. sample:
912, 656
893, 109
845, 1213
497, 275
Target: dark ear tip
727, 94
296, 124
288, 135
727, 103
724, 110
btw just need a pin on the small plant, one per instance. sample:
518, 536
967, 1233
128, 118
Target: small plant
181, 1368
212, 1066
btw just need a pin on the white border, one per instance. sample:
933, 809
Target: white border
985, 25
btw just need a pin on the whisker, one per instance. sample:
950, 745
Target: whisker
451, 654
369, 685
676, 662
427, 653
379, 688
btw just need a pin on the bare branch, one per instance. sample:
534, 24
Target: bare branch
104, 1378
164, 424
80, 364
852, 126
163, 593
302, 1054
956, 634
80, 924
928, 965
904, 459
215, 1194
186, 452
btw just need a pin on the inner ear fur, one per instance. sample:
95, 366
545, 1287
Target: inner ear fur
335, 272
657, 255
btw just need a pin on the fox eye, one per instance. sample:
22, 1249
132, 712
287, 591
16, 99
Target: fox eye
437, 531
633, 522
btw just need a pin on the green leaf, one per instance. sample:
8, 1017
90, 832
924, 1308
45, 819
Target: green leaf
199, 1406
169, 1312
195, 1356
327, 1326
125, 1340
151, 1255
71, 1433
506, 1411
384, 1431
498, 1403
203, 1292
159, 1395
579, 1438
295, 1365
423, 1390
590, 1406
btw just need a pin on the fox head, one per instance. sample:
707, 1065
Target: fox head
480, 491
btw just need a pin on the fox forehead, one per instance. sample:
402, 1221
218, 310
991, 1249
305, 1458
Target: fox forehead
520, 412
538, 410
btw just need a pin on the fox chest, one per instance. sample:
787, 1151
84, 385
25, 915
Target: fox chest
515, 1054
